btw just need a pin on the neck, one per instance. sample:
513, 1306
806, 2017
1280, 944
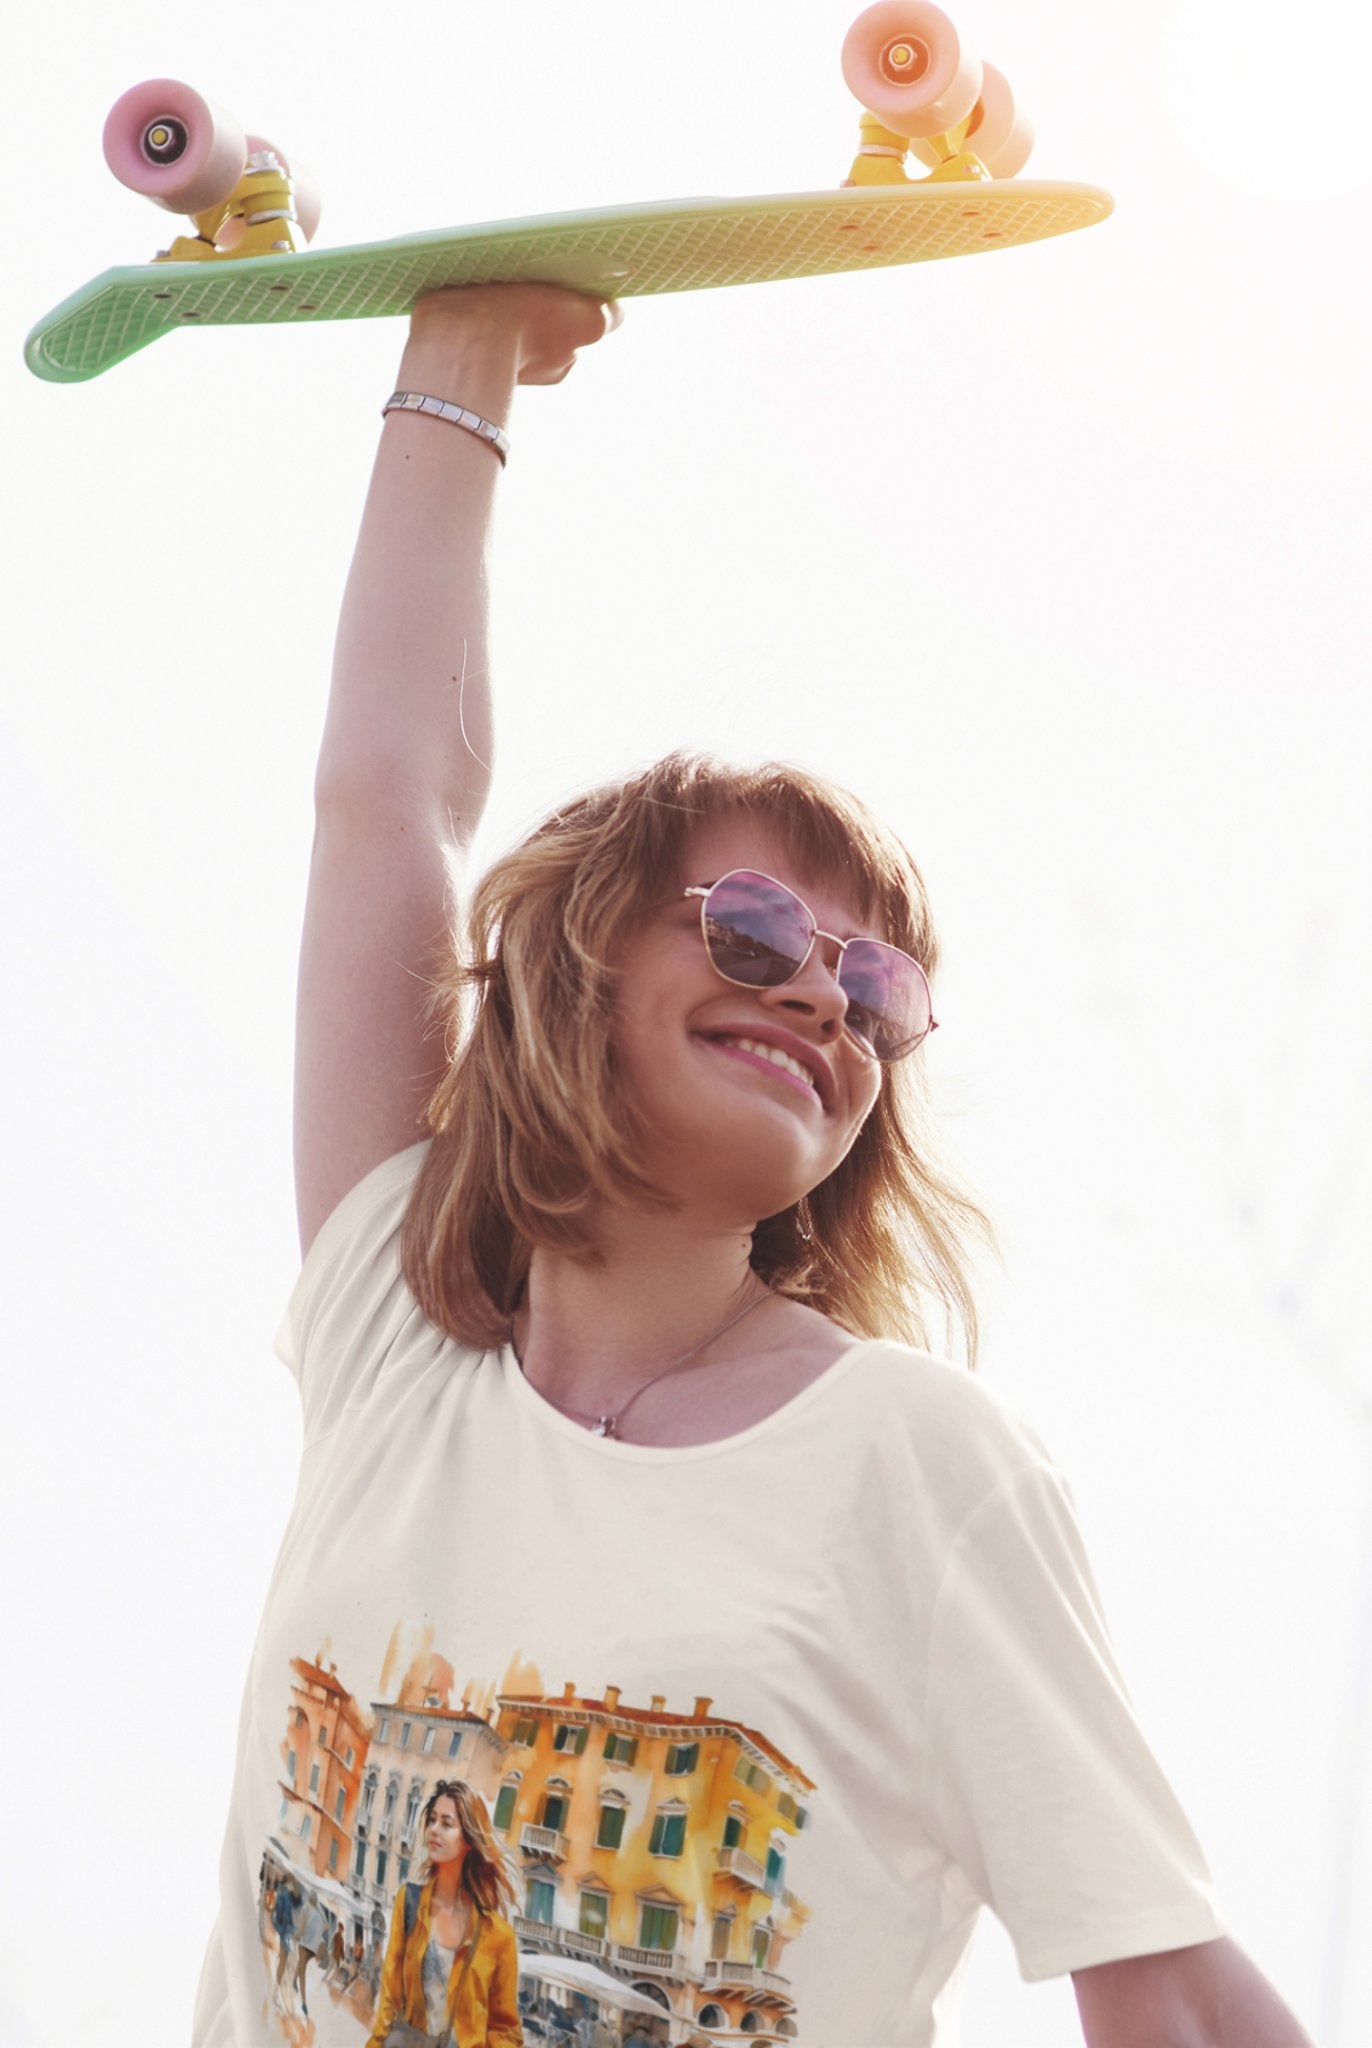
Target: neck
590, 1334
448, 1880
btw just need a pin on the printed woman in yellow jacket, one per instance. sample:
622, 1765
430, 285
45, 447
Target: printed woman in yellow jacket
452, 1959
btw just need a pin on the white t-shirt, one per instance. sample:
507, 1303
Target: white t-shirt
761, 1724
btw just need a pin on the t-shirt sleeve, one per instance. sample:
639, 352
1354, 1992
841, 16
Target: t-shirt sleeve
350, 1301
1039, 1784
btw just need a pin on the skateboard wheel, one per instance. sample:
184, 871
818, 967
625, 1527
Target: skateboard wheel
903, 61
162, 139
996, 133
304, 186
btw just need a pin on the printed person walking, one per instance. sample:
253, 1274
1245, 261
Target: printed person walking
451, 1975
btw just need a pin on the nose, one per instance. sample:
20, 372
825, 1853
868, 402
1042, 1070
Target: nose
814, 993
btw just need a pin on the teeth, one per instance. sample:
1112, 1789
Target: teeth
775, 1054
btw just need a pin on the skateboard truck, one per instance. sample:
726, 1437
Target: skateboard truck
258, 218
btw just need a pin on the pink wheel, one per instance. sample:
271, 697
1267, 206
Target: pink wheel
304, 186
903, 61
163, 139
997, 134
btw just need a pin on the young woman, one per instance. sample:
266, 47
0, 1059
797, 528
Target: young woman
629, 1473
452, 1966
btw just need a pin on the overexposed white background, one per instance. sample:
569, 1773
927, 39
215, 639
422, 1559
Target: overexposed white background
1058, 556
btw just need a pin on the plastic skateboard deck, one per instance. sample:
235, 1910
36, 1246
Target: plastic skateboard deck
615, 252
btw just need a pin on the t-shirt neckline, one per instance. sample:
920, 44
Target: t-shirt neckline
562, 1425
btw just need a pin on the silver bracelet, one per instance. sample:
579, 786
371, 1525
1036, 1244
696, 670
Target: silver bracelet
458, 415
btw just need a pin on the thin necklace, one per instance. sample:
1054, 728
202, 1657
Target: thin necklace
608, 1425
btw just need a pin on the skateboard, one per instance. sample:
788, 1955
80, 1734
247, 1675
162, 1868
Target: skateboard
924, 96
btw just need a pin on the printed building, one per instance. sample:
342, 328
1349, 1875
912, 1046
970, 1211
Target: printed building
411, 1748
655, 1845
322, 1757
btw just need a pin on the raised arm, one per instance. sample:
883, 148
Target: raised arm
405, 762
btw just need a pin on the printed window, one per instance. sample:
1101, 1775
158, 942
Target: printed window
595, 1909
762, 1943
368, 1796
682, 1758
776, 1870
504, 1807
314, 1779
360, 1862
657, 1928
621, 1749
455, 1745
290, 1765
348, 1759
719, 1937
786, 1806
381, 1867
570, 1739
538, 1903
323, 1736
402, 1870
392, 1791
340, 1802
305, 1827
285, 1809
333, 1854
555, 1811
668, 1839
405, 1728
383, 1730
426, 1747
525, 1732
412, 1813
734, 1836
610, 1833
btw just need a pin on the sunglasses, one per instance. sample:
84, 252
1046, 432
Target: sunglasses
759, 934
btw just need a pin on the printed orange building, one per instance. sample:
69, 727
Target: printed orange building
322, 1756
655, 1845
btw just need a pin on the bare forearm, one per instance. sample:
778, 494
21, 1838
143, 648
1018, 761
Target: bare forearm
410, 701
1210, 1996
410, 705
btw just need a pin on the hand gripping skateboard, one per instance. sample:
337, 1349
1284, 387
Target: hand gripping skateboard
253, 209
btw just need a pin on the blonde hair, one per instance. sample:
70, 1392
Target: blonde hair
486, 1874
531, 1124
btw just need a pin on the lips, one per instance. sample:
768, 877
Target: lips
805, 1055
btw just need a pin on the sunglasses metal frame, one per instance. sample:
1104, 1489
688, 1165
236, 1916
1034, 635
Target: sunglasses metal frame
705, 893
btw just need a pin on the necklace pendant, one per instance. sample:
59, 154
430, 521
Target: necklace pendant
605, 1426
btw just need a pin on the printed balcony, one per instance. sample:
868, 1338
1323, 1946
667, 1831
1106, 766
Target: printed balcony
722, 1976
543, 1934
657, 1962
737, 1863
544, 1842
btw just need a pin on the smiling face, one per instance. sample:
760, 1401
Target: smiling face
736, 1132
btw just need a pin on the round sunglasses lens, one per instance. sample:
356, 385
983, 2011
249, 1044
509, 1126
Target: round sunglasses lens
888, 998
755, 931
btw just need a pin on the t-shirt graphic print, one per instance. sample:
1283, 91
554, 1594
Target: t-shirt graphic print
754, 1730
652, 1851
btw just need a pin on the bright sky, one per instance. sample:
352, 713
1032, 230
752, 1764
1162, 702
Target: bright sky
1058, 556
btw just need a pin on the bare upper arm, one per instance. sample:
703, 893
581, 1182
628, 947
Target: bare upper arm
367, 1059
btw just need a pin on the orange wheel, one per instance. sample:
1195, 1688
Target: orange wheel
304, 185
162, 139
996, 133
1000, 136
903, 61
